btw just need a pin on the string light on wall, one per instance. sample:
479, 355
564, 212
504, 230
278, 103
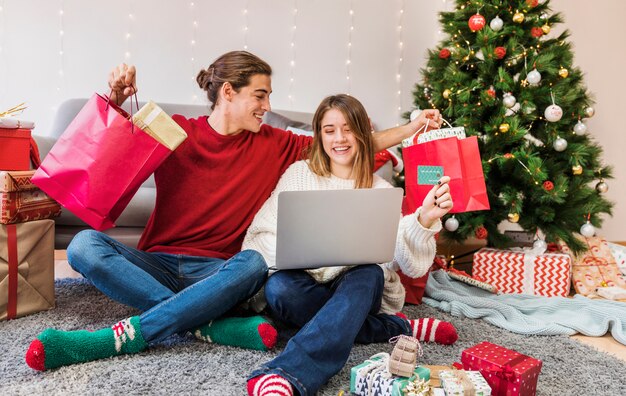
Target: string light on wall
129, 30
349, 60
292, 63
3, 73
400, 58
192, 49
245, 27
61, 46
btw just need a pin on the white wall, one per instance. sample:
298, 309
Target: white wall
161, 32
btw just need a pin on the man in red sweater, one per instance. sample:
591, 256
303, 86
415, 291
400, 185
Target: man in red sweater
188, 270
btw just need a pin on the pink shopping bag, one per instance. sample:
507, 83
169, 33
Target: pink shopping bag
425, 163
99, 163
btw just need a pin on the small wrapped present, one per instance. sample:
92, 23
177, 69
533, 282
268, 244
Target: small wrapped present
595, 268
15, 146
21, 200
26, 268
372, 378
524, 271
461, 383
619, 254
158, 124
508, 372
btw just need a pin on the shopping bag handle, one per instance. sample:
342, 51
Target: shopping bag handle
425, 127
132, 126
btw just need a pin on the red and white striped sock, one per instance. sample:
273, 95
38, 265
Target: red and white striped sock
430, 329
269, 385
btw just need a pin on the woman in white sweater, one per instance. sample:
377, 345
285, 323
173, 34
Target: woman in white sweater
337, 306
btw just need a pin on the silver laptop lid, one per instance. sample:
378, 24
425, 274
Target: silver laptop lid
337, 227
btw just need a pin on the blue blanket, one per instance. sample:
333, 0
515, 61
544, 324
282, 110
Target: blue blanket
528, 314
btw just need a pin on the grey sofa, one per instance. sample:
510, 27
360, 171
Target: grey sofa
132, 221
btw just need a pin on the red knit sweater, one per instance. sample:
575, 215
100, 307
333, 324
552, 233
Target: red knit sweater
212, 186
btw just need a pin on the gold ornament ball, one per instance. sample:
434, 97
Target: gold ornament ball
545, 28
577, 169
504, 128
518, 17
590, 111
563, 72
602, 187
446, 93
513, 217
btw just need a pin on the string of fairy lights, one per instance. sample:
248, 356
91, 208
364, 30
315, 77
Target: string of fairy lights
245, 26
399, 81
292, 47
349, 60
61, 70
192, 50
2, 57
129, 31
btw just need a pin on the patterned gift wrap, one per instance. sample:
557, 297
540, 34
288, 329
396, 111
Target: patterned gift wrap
595, 268
509, 373
519, 272
22, 201
460, 383
371, 378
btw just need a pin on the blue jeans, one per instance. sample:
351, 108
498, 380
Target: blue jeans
175, 292
332, 318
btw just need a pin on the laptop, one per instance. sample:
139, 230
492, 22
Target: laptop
337, 227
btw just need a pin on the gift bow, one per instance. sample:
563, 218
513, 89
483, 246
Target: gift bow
505, 372
13, 110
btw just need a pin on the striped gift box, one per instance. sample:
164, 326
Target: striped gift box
520, 272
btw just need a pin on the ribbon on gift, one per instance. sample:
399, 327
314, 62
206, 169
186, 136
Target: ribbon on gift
465, 382
12, 253
506, 372
530, 256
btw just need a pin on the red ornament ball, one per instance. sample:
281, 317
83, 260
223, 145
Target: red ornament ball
532, 3
481, 233
476, 22
491, 92
444, 53
536, 32
508, 155
499, 52
548, 185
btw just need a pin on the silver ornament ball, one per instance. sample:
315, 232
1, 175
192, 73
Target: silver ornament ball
452, 224
580, 128
590, 111
543, 16
560, 144
496, 24
602, 187
509, 101
540, 244
587, 230
553, 113
534, 77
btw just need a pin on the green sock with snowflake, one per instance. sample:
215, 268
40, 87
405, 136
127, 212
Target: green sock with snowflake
55, 348
253, 332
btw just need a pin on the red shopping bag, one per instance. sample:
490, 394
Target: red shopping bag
425, 163
99, 163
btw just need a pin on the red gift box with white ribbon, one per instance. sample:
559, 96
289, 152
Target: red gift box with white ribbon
524, 271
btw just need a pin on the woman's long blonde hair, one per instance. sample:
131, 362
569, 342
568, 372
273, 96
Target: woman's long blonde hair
358, 121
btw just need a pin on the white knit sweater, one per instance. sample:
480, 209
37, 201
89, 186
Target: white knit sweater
415, 245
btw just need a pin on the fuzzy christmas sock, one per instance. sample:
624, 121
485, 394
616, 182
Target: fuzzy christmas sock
253, 332
54, 348
269, 385
430, 329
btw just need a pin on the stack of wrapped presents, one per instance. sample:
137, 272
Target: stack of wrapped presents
26, 231
485, 369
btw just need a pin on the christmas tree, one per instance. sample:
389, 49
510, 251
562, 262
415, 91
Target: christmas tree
501, 76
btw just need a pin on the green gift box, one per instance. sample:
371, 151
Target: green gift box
374, 371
